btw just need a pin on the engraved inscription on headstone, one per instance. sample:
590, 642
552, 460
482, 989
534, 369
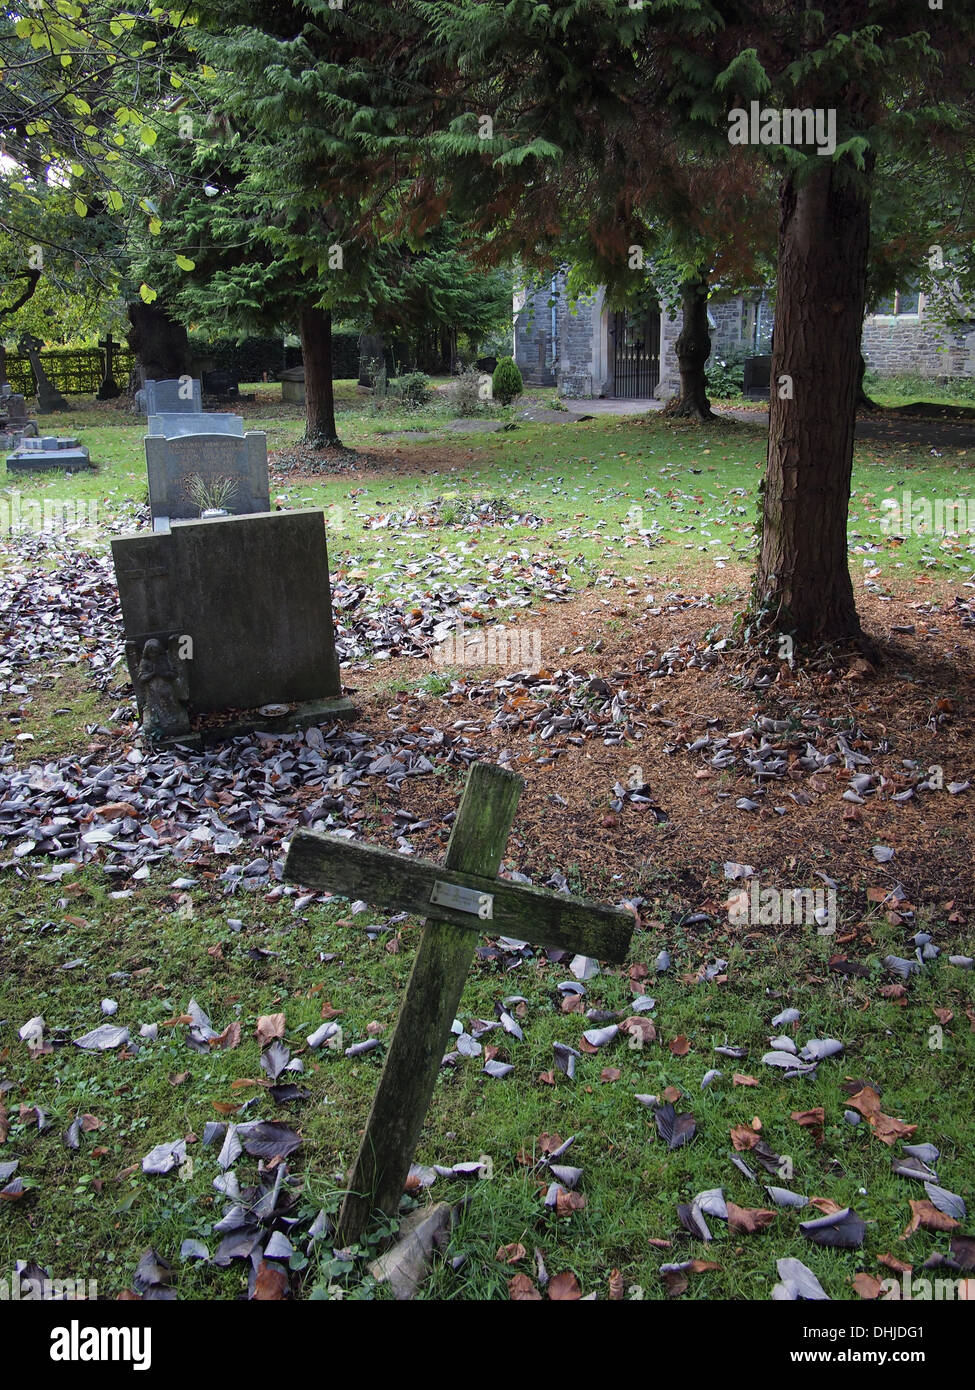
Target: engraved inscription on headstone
192, 472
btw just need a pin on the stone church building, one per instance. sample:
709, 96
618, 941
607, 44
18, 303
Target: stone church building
587, 349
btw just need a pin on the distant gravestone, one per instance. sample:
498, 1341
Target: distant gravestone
167, 397
231, 468
47, 454
49, 398
171, 425
15, 423
249, 599
293, 385
756, 377
16, 407
224, 385
109, 389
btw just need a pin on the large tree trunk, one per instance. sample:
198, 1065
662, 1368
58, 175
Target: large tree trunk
693, 348
803, 583
161, 347
315, 326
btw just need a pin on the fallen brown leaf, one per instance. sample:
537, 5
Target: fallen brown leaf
826, 1205
564, 1288
269, 1027
568, 1202
229, 1038
813, 1120
744, 1137
680, 1046
617, 1286
866, 1100
640, 1027
892, 1262
511, 1254
888, 1130
740, 1079
925, 1215
522, 1290
748, 1220
271, 1284
867, 1286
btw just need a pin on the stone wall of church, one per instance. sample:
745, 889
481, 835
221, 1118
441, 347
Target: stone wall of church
576, 370
909, 343
534, 347
578, 359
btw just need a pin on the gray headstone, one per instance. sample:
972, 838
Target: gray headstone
168, 397
293, 385
252, 595
173, 463
171, 425
16, 409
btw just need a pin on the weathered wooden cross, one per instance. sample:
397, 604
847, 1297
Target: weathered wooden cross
466, 895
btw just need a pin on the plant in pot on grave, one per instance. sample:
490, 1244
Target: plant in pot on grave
212, 495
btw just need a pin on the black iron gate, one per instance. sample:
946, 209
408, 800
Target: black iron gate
636, 354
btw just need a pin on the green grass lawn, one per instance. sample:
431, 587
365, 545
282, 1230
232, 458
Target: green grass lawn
92, 1212
595, 484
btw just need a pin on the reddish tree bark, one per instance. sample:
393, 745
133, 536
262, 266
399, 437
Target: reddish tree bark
803, 583
315, 326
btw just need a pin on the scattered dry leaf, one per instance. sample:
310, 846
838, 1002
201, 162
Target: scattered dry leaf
269, 1027
744, 1137
271, 1283
511, 1254
522, 1290
813, 1120
925, 1215
564, 1288
748, 1220
867, 1286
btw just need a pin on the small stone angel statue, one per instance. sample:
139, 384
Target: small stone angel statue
162, 689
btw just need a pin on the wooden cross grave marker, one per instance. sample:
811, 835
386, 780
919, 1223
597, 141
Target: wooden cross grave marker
465, 895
